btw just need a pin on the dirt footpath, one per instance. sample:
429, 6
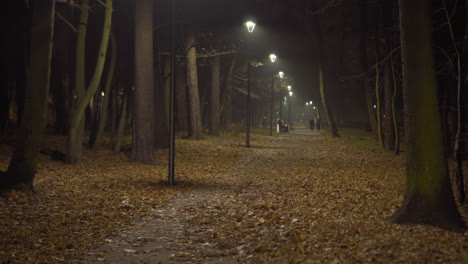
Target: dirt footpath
294, 198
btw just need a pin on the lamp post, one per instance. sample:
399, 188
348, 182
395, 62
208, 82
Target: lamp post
289, 106
250, 28
272, 59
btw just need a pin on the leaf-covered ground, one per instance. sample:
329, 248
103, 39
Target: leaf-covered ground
292, 198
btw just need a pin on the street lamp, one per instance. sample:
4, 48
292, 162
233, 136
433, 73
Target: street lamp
250, 28
272, 57
281, 74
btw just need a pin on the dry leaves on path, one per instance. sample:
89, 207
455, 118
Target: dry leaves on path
297, 198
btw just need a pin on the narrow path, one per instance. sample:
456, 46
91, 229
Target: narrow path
292, 198
174, 234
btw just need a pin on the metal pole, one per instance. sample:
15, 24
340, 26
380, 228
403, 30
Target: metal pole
271, 105
281, 107
289, 113
172, 97
247, 125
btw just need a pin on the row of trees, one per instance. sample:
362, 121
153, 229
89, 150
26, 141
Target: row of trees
137, 94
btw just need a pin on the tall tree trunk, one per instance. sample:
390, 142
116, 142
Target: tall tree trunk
459, 145
389, 131
226, 109
181, 98
143, 107
23, 164
365, 66
121, 124
429, 196
326, 107
107, 95
193, 97
74, 146
394, 111
378, 102
324, 79
75, 136
215, 116
161, 125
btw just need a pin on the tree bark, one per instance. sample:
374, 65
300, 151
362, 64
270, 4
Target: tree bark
395, 111
181, 98
226, 108
193, 97
378, 102
429, 195
161, 125
74, 147
121, 124
143, 107
389, 130
215, 117
326, 107
107, 95
75, 138
324, 80
23, 164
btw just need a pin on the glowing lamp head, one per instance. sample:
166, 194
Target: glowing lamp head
307, 103
310, 102
250, 26
281, 74
289, 87
272, 57
290, 93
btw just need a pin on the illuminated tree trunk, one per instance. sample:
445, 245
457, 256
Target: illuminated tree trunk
429, 196
107, 95
143, 107
75, 133
193, 97
22, 167
75, 136
214, 96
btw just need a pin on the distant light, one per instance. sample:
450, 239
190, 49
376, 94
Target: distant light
314, 107
281, 74
310, 102
307, 103
289, 87
250, 26
375, 106
290, 93
272, 57
102, 94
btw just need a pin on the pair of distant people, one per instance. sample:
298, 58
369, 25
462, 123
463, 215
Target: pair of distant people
314, 123
282, 126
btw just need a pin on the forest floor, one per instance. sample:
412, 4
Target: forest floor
302, 197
